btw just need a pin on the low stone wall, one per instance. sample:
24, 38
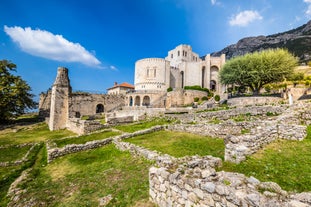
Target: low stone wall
260, 100
214, 130
83, 126
54, 153
24, 158
196, 183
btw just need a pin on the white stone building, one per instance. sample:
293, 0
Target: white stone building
182, 67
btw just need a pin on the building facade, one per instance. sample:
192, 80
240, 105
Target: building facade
182, 67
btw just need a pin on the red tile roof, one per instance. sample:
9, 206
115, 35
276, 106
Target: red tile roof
123, 85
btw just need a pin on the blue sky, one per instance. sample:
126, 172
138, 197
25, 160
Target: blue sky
100, 40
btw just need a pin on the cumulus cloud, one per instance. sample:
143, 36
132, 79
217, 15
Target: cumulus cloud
213, 2
308, 11
44, 44
244, 18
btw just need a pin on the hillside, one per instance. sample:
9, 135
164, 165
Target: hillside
297, 41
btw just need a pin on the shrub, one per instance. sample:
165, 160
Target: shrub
204, 98
169, 89
196, 87
307, 83
196, 99
217, 97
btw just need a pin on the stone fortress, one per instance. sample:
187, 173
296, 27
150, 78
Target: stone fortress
182, 67
153, 76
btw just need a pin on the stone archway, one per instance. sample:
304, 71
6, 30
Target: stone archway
131, 101
146, 101
214, 78
137, 101
99, 108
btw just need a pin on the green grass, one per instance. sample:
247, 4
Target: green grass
9, 174
180, 144
130, 128
85, 138
31, 133
284, 162
13, 153
81, 179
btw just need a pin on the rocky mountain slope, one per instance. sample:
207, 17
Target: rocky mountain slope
297, 41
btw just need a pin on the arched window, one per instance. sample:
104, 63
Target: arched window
137, 101
131, 101
146, 101
203, 77
182, 79
99, 108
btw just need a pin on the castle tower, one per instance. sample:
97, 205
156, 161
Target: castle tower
60, 100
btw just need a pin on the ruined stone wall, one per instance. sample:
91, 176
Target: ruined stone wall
86, 104
45, 105
83, 126
61, 91
260, 100
196, 183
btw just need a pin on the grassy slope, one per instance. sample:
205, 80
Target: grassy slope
130, 128
86, 138
180, 144
32, 133
81, 179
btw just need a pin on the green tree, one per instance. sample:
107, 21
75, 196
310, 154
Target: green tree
254, 70
15, 96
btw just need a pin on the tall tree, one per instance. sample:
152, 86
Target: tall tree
15, 96
259, 68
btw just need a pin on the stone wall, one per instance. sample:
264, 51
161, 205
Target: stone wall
83, 126
87, 104
54, 153
196, 183
260, 100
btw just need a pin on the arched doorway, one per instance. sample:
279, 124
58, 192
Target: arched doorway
131, 101
99, 108
146, 101
214, 78
137, 101
213, 85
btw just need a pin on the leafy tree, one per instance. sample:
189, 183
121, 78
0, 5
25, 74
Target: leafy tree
15, 95
258, 69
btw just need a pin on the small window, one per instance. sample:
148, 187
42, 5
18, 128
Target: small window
178, 53
186, 54
172, 56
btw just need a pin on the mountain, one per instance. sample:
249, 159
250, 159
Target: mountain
297, 41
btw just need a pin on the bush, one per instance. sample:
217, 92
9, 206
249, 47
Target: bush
169, 89
196, 87
268, 88
307, 83
217, 97
196, 99
204, 98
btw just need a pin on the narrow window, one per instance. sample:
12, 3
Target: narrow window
172, 56
178, 53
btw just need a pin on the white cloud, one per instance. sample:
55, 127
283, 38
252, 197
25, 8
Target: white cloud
213, 2
308, 11
47, 45
113, 67
244, 18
